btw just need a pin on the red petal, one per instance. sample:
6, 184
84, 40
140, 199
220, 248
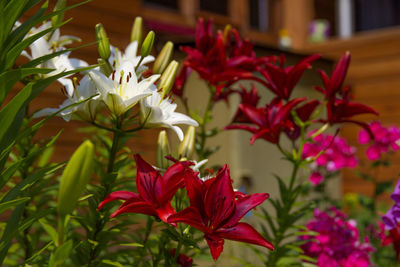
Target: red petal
219, 201
189, 216
340, 71
244, 205
244, 232
172, 180
256, 115
196, 190
216, 245
165, 211
145, 180
117, 195
135, 207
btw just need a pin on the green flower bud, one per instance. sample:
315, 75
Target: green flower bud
137, 30
186, 148
75, 178
103, 44
162, 150
105, 68
147, 44
163, 58
58, 18
168, 77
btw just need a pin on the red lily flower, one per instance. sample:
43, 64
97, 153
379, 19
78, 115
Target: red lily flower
180, 80
250, 98
334, 84
155, 191
215, 209
270, 120
341, 109
282, 80
219, 61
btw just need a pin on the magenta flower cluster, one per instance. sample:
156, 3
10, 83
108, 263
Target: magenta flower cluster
334, 154
336, 243
385, 138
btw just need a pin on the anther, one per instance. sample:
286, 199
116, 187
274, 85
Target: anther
113, 75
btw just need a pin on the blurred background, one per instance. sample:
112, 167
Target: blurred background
367, 28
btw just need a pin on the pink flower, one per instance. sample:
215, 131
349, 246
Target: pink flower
385, 138
336, 155
337, 243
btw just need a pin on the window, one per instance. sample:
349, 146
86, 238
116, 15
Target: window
215, 6
170, 4
376, 14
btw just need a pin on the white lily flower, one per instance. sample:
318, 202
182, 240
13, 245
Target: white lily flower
121, 90
50, 43
117, 57
85, 111
158, 112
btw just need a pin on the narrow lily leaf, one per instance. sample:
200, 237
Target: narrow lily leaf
9, 172
9, 78
13, 10
112, 263
61, 254
10, 204
49, 229
37, 254
28, 182
16, 228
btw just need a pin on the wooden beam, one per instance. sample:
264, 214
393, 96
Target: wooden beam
297, 15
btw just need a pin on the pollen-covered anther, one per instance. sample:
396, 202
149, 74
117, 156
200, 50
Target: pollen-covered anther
113, 75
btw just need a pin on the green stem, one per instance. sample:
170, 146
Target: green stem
203, 129
178, 250
61, 230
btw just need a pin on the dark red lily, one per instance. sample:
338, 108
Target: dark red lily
220, 61
282, 80
180, 80
250, 98
154, 191
215, 209
340, 108
270, 120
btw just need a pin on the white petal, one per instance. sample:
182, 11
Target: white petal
131, 51
178, 131
68, 84
102, 83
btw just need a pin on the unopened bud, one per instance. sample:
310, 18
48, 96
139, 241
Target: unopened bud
103, 44
162, 150
75, 178
167, 79
186, 148
59, 17
147, 45
137, 30
163, 58
105, 67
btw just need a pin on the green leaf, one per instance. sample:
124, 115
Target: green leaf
9, 78
112, 263
13, 228
10, 204
9, 172
50, 230
61, 254
37, 254
13, 10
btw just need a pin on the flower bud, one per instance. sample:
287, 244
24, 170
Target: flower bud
103, 44
167, 79
137, 30
147, 44
227, 31
162, 150
105, 67
163, 58
75, 178
58, 18
186, 148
